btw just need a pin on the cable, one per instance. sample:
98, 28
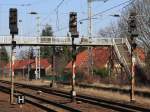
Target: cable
57, 16
59, 5
57, 20
24, 5
37, 2
100, 13
111, 8
129, 4
61, 29
56, 10
27, 4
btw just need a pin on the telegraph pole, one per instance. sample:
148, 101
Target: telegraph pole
38, 32
132, 23
90, 60
37, 57
53, 67
13, 30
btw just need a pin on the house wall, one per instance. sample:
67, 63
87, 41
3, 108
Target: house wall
48, 71
24, 73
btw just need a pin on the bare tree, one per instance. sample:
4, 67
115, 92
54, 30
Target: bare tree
143, 20
27, 54
110, 31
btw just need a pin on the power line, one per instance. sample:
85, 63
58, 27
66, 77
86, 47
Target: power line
111, 8
64, 28
56, 10
37, 2
57, 16
100, 13
61, 29
129, 4
59, 5
28, 4
24, 4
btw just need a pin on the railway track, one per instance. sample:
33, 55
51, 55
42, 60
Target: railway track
42, 103
117, 106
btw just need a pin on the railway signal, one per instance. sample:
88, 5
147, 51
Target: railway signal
73, 24
13, 21
13, 30
74, 34
132, 26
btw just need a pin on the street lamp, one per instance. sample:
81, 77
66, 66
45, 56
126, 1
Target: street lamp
33, 13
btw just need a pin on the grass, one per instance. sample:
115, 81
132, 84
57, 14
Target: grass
116, 96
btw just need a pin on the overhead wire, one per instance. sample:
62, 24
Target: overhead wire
28, 4
55, 10
129, 4
116, 6
57, 13
24, 4
100, 13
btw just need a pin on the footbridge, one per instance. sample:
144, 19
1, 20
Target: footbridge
59, 41
121, 45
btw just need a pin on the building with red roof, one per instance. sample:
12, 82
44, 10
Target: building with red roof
100, 59
23, 67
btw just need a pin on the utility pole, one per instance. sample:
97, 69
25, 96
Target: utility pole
37, 60
90, 60
37, 57
53, 67
38, 32
13, 30
132, 23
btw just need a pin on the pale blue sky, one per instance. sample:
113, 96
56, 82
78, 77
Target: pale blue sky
47, 14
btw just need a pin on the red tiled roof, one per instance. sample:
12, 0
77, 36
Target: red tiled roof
100, 58
43, 63
141, 54
20, 64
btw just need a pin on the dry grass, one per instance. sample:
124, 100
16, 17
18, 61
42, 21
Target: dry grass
142, 88
33, 82
116, 96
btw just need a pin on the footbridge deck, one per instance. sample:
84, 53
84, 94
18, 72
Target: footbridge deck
59, 41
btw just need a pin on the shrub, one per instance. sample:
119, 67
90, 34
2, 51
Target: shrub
101, 72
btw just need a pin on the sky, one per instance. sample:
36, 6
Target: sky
47, 14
